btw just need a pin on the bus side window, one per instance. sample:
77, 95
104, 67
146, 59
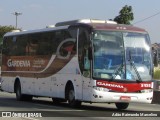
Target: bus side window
86, 60
12, 46
45, 44
31, 47
32, 43
5, 49
21, 44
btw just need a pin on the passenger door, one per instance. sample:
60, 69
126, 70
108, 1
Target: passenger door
84, 62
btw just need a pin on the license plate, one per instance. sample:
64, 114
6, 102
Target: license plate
125, 98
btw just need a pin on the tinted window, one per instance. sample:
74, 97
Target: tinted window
45, 43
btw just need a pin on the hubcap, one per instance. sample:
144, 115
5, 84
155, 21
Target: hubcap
71, 95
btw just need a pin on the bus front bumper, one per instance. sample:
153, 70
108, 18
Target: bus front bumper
112, 97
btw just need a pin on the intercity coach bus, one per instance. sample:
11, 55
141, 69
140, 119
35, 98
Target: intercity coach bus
86, 60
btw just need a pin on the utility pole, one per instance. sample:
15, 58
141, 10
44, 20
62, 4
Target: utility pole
16, 14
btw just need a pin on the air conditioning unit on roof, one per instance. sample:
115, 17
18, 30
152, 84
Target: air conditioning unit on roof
87, 21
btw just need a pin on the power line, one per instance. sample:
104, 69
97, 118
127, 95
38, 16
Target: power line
147, 18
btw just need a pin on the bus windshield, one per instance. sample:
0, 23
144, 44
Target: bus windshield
121, 56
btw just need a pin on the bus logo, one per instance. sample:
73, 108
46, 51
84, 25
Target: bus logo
18, 63
105, 84
67, 46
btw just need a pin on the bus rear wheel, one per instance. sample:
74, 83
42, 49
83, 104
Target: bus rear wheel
19, 95
71, 97
122, 106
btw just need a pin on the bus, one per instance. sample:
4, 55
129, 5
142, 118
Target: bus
85, 60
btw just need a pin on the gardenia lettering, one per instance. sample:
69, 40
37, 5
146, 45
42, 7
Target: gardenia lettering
18, 63
109, 85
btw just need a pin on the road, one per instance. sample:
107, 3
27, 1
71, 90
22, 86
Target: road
45, 109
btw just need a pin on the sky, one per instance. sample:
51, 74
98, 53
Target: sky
38, 14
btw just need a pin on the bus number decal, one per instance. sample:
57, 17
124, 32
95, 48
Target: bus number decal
145, 85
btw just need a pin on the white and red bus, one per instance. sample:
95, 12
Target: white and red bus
93, 61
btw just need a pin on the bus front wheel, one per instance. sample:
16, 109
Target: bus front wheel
122, 106
71, 97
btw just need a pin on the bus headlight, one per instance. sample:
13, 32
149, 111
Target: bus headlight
101, 89
146, 90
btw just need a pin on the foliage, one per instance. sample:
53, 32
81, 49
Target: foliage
125, 15
5, 29
156, 73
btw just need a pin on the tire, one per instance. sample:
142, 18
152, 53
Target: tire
122, 106
19, 95
71, 98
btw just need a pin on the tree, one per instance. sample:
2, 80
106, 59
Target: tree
125, 15
5, 29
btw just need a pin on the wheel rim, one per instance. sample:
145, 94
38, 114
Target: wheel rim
18, 93
71, 95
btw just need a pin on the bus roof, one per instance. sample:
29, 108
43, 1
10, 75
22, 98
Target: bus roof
94, 23
117, 27
102, 25
16, 32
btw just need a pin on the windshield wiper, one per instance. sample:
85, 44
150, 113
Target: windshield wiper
119, 69
134, 67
